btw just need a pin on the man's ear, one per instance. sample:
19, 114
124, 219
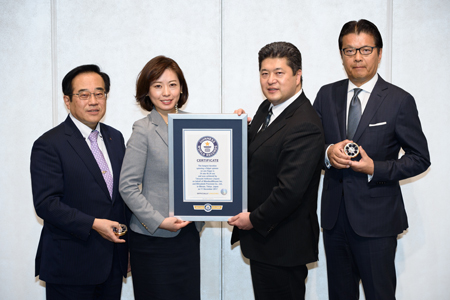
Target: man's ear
299, 76
380, 52
67, 101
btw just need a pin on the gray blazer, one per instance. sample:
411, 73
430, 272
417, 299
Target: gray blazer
146, 162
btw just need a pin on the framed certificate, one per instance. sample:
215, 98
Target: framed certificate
207, 166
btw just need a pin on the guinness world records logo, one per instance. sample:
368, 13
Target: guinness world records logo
207, 146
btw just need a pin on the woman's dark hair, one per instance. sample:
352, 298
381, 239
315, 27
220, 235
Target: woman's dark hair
151, 72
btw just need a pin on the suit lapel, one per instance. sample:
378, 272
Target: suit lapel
258, 120
377, 97
276, 125
80, 146
161, 126
341, 108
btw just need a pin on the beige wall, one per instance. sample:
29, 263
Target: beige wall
216, 43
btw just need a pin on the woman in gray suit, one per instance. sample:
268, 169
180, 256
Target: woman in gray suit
164, 251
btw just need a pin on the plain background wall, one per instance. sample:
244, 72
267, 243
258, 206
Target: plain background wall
216, 42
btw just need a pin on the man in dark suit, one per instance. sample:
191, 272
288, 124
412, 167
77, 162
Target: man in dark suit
75, 171
279, 233
362, 206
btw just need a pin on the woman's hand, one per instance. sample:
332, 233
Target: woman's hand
173, 224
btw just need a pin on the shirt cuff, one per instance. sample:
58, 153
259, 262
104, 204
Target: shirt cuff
327, 161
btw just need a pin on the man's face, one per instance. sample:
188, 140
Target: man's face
278, 83
90, 111
360, 68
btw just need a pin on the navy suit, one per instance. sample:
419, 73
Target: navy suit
389, 122
69, 192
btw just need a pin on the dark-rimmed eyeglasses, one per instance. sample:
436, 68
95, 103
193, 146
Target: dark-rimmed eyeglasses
85, 95
366, 50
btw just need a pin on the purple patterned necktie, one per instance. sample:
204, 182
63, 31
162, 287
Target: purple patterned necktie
107, 176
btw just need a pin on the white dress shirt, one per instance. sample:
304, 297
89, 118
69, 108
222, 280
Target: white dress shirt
278, 109
86, 131
363, 96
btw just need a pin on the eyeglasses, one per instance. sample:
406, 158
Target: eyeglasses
85, 95
366, 50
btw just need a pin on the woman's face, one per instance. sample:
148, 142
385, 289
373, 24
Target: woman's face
165, 91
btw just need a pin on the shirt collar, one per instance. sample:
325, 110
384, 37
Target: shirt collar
278, 109
367, 87
84, 129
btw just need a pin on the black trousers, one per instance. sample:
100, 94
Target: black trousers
351, 258
275, 282
111, 289
166, 268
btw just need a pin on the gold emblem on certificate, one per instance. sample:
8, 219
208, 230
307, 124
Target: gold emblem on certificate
208, 207
351, 149
121, 230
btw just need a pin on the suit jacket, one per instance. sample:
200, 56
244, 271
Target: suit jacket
389, 122
284, 165
146, 162
68, 193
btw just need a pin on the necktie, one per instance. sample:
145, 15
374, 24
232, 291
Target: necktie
354, 114
107, 176
266, 123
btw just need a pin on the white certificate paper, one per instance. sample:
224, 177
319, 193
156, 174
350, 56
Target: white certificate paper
207, 165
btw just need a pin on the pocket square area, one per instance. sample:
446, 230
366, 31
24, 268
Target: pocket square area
377, 124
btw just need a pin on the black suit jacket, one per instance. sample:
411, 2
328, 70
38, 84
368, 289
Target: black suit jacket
390, 121
284, 165
68, 193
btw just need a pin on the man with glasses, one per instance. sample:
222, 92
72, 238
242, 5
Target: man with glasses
75, 171
362, 205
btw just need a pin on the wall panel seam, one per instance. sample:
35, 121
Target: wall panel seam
222, 285
54, 62
221, 54
389, 39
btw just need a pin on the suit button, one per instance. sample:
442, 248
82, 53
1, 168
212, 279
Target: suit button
340, 180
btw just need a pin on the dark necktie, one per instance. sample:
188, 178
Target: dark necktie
266, 123
354, 114
107, 176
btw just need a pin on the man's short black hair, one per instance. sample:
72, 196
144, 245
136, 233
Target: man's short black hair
67, 81
361, 26
282, 50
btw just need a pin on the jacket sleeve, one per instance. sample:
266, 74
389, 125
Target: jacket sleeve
300, 155
132, 177
318, 108
409, 134
47, 180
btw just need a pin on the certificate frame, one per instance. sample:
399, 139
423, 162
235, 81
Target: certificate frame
223, 168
